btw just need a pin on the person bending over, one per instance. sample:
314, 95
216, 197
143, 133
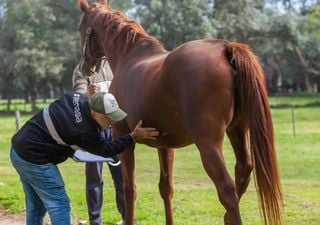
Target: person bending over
73, 121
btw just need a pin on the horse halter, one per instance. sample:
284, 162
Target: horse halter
84, 67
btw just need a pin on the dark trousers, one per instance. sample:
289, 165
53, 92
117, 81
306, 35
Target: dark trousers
94, 190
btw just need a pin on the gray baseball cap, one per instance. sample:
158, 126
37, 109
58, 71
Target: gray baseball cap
106, 104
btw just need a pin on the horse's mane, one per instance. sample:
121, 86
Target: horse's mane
120, 30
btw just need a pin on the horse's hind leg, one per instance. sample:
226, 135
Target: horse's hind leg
213, 162
244, 165
166, 156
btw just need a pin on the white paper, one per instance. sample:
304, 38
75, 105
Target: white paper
84, 156
103, 85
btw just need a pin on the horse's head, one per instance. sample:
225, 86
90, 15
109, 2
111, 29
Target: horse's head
92, 55
107, 34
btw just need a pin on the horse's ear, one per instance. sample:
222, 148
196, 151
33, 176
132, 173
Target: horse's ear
84, 5
104, 2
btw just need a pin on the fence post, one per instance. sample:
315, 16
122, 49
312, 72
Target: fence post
293, 122
17, 115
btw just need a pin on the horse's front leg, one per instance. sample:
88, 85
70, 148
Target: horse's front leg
129, 187
166, 156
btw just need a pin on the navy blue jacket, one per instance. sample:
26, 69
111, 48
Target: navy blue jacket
73, 122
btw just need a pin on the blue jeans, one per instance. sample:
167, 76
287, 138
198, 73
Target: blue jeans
44, 191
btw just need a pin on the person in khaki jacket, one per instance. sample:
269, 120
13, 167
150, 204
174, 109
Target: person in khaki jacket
94, 180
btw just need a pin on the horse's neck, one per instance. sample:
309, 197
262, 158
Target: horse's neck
129, 38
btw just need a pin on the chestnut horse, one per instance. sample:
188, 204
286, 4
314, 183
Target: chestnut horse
193, 94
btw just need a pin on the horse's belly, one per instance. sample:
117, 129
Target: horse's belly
167, 140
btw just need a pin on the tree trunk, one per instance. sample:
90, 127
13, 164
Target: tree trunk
33, 101
272, 73
306, 66
26, 97
9, 101
8, 88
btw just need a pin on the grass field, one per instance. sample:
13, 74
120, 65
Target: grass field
195, 199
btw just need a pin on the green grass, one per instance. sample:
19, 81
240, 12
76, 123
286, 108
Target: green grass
296, 100
195, 199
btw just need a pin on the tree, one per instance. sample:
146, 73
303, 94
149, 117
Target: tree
175, 22
308, 49
33, 51
297, 47
42, 41
7, 62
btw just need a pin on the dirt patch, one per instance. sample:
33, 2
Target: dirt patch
7, 218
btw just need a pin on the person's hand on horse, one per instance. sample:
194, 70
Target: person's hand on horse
141, 133
92, 89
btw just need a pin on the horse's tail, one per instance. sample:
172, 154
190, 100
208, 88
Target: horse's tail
252, 112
